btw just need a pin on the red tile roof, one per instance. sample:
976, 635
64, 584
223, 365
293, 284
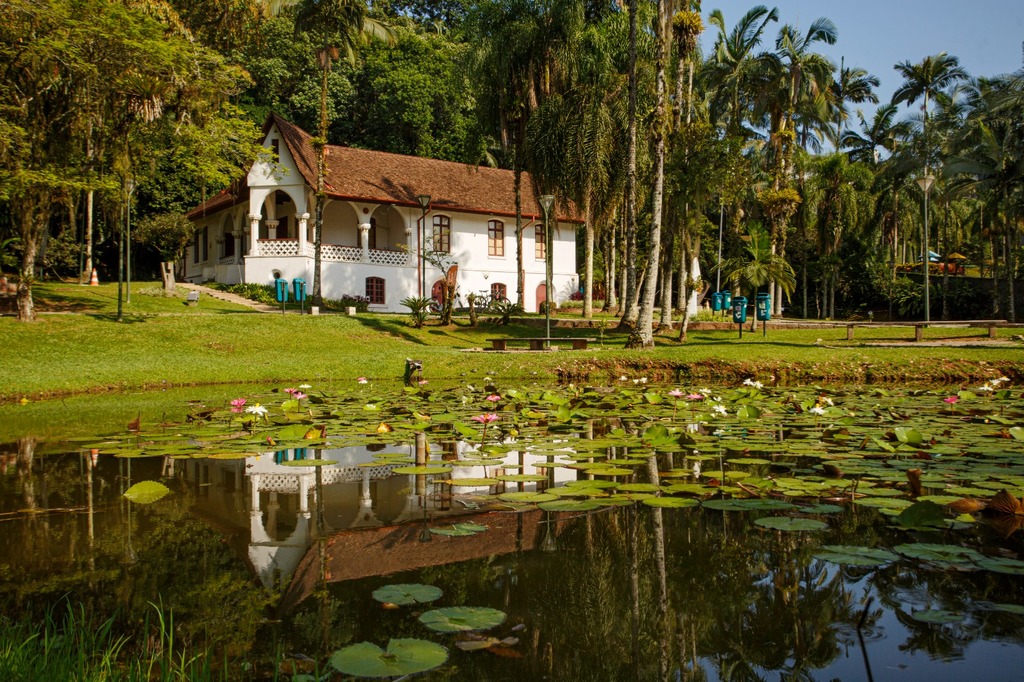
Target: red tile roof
381, 177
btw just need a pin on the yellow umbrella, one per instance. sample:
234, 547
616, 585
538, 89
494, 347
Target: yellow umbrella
956, 256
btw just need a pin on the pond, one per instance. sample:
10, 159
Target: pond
488, 532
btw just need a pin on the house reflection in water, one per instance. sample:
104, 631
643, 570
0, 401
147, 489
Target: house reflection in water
273, 511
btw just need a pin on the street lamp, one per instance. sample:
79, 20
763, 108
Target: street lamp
130, 185
424, 200
547, 201
925, 183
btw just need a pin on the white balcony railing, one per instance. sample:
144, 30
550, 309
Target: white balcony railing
332, 252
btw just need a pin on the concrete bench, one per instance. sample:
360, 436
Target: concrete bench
538, 343
192, 298
919, 326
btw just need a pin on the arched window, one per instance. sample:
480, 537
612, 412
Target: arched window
539, 243
442, 242
495, 238
498, 292
375, 290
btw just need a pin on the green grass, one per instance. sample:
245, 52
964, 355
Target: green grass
162, 344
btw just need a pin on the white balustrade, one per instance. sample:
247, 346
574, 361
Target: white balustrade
389, 257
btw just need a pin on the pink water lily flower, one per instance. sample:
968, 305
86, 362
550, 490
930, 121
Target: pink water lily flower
951, 400
291, 391
237, 404
485, 418
493, 398
362, 380
695, 396
675, 393
298, 395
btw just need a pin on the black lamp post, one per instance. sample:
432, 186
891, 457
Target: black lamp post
547, 201
424, 200
130, 185
925, 183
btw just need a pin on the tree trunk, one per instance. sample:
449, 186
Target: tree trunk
645, 318
517, 185
1011, 306
167, 274
321, 195
588, 266
629, 310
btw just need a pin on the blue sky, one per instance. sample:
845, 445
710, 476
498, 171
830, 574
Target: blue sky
986, 35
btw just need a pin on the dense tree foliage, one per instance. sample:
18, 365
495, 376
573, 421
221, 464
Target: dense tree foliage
762, 130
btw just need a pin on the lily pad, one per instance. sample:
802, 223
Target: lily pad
423, 469
407, 593
462, 618
671, 502
937, 616
459, 529
147, 492
791, 523
747, 505
570, 505
402, 657
855, 556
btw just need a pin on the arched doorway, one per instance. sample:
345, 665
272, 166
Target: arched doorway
542, 295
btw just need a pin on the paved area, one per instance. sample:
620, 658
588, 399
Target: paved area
231, 298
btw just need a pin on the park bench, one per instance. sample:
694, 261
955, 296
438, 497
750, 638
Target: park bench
538, 343
990, 325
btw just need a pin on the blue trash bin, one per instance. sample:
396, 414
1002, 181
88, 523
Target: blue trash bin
739, 309
764, 307
716, 301
726, 299
281, 290
299, 289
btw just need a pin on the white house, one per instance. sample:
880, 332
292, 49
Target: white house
261, 227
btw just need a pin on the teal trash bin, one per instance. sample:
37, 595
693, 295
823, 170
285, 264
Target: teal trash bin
716, 302
739, 309
299, 289
726, 300
281, 290
764, 307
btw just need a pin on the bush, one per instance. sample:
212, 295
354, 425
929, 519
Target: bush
262, 293
360, 303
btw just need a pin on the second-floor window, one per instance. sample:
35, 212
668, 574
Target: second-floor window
442, 234
539, 243
495, 238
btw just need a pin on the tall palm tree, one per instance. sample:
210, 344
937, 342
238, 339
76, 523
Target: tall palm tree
852, 84
336, 26
733, 63
758, 266
923, 80
883, 133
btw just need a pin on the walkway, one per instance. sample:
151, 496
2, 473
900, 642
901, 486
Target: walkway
230, 298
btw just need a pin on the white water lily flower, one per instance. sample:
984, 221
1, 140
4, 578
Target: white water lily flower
696, 469
826, 400
818, 410
257, 409
705, 391
986, 387
720, 409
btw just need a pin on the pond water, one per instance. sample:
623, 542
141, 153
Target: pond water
621, 532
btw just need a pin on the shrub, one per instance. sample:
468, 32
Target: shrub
262, 293
360, 303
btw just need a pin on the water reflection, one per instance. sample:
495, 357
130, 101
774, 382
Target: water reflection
622, 593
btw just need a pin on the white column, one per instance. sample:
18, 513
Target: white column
254, 234
410, 241
304, 482
364, 240
255, 491
237, 236
302, 218
272, 228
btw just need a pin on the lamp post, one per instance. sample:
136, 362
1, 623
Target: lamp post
721, 221
547, 201
925, 183
130, 185
424, 201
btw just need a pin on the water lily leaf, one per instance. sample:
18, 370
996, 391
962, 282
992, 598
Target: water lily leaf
748, 412
1002, 565
937, 616
462, 618
883, 502
747, 505
459, 530
945, 555
470, 482
527, 496
570, 505
855, 556
909, 436
922, 514
522, 478
1017, 432
402, 657
147, 492
407, 593
671, 502
423, 469
639, 488
791, 523
822, 509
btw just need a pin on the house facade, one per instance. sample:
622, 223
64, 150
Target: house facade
393, 227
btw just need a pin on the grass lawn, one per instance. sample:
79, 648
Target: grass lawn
77, 346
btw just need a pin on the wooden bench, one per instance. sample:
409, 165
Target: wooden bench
919, 326
538, 343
